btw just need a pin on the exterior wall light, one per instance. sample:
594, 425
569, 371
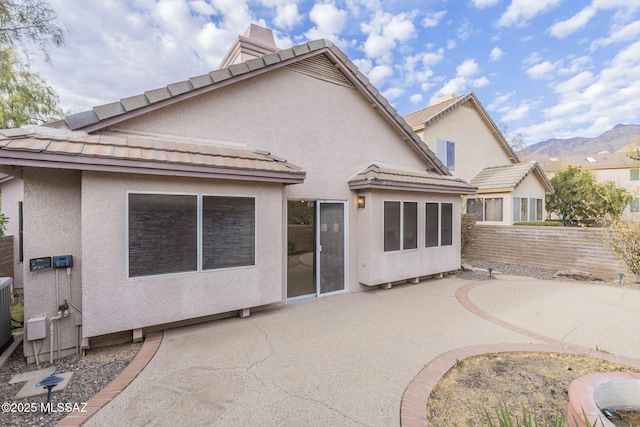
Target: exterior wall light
360, 202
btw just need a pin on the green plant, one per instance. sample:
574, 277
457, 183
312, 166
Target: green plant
17, 314
3, 225
529, 419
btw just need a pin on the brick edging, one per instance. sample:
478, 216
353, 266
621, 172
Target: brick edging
413, 408
119, 383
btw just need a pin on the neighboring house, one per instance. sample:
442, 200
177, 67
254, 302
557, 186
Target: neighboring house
468, 142
620, 168
227, 192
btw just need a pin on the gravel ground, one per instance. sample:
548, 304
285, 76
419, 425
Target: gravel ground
91, 373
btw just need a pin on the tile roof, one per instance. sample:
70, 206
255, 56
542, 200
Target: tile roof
111, 151
381, 176
602, 161
425, 117
102, 116
507, 178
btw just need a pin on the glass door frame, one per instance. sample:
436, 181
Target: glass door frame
345, 249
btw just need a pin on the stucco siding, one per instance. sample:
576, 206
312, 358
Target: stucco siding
113, 302
52, 224
375, 266
476, 146
12, 191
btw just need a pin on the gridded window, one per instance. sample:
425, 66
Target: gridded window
400, 226
635, 204
539, 210
635, 175
438, 224
475, 207
164, 231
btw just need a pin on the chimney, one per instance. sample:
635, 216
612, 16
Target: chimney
254, 43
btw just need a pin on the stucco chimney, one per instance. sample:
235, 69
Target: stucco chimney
443, 99
254, 43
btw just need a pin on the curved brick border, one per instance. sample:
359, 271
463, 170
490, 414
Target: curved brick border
119, 383
413, 409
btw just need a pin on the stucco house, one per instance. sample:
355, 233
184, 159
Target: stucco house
465, 138
236, 190
621, 168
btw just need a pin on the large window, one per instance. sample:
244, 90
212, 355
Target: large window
487, 209
400, 226
527, 209
171, 233
438, 224
446, 152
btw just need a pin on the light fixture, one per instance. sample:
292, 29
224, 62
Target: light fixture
360, 202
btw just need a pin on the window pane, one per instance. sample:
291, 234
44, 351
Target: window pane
228, 232
410, 225
391, 226
451, 155
516, 209
533, 208
539, 210
635, 175
441, 150
446, 226
474, 206
162, 234
635, 204
432, 222
493, 209
524, 209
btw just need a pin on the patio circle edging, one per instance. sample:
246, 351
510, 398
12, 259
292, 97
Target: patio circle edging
118, 384
413, 408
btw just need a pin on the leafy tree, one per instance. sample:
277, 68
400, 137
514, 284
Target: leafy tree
25, 97
578, 197
28, 24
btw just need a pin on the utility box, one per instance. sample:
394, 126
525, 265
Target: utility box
37, 328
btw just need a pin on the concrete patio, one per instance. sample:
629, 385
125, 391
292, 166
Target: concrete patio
348, 359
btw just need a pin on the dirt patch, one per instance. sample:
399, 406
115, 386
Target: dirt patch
533, 380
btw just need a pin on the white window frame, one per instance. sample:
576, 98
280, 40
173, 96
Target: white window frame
199, 243
442, 152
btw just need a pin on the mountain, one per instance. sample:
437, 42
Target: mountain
611, 141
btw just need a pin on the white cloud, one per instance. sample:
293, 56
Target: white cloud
384, 31
481, 82
379, 74
287, 16
564, 28
416, 99
516, 113
457, 86
468, 68
541, 70
619, 34
481, 4
520, 12
496, 54
576, 65
433, 19
574, 83
329, 21
393, 93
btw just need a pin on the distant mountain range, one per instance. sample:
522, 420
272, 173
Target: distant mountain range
611, 141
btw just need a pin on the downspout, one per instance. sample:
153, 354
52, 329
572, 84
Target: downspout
58, 317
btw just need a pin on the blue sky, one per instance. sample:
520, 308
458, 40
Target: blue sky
544, 68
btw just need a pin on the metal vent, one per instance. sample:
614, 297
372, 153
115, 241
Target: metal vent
321, 68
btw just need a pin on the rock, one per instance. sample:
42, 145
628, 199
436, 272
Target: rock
466, 267
578, 275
